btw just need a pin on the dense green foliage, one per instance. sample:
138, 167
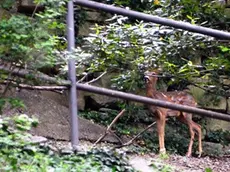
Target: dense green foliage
218, 136
133, 4
128, 48
18, 153
12, 102
33, 42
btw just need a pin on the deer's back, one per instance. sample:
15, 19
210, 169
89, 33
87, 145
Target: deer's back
178, 97
181, 97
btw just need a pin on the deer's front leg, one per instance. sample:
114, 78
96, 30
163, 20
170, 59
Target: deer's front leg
161, 130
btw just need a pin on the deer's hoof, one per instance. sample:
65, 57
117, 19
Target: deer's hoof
163, 154
188, 154
162, 151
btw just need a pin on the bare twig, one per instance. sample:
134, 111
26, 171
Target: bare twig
108, 130
116, 118
82, 79
35, 9
134, 138
94, 80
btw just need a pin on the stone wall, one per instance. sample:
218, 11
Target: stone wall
222, 105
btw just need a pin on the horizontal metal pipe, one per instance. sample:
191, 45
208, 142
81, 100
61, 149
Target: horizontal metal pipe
118, 94
150, 101
155, 19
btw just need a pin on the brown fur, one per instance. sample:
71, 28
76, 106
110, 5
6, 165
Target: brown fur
161, 114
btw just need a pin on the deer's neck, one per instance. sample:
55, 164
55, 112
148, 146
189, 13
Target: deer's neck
151, 89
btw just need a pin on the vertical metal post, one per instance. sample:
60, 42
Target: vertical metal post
72, 77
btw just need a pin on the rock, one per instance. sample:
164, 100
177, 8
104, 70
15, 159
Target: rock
38, 139
54, 119
215, 124
63, 99
141, 163
92, 17
67, 151
221, 106
227, 150
27, 2
52, 148
87, 100
206, 101
212, 149
96, 101
228, 105
107, 110
80, 100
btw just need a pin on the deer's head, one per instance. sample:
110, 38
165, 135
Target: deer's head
151, 76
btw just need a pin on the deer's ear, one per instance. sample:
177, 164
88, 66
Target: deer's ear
160, 69
146, 72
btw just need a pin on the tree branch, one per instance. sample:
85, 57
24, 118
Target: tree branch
35, 9
32, 75
94, 80
31, 87
108, 130
82, 79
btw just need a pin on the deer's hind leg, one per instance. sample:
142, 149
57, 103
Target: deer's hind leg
193, 128
197, 128
186, 119
192, 136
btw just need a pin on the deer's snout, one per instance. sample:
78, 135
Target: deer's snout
146, 78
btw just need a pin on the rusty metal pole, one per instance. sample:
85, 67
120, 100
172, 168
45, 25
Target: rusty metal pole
72, 78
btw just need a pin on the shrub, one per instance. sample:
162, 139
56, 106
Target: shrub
18, 153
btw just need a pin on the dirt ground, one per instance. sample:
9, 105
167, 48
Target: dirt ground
174, 163
216, 164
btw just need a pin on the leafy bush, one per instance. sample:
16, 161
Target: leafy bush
161, 167
13, 103
218, 136
18, 153
25, 41
174, 143
128, 48
126, 124
176, 140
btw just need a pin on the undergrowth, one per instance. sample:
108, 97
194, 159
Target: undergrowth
18, 153
136, 119
218, 136
175, 140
